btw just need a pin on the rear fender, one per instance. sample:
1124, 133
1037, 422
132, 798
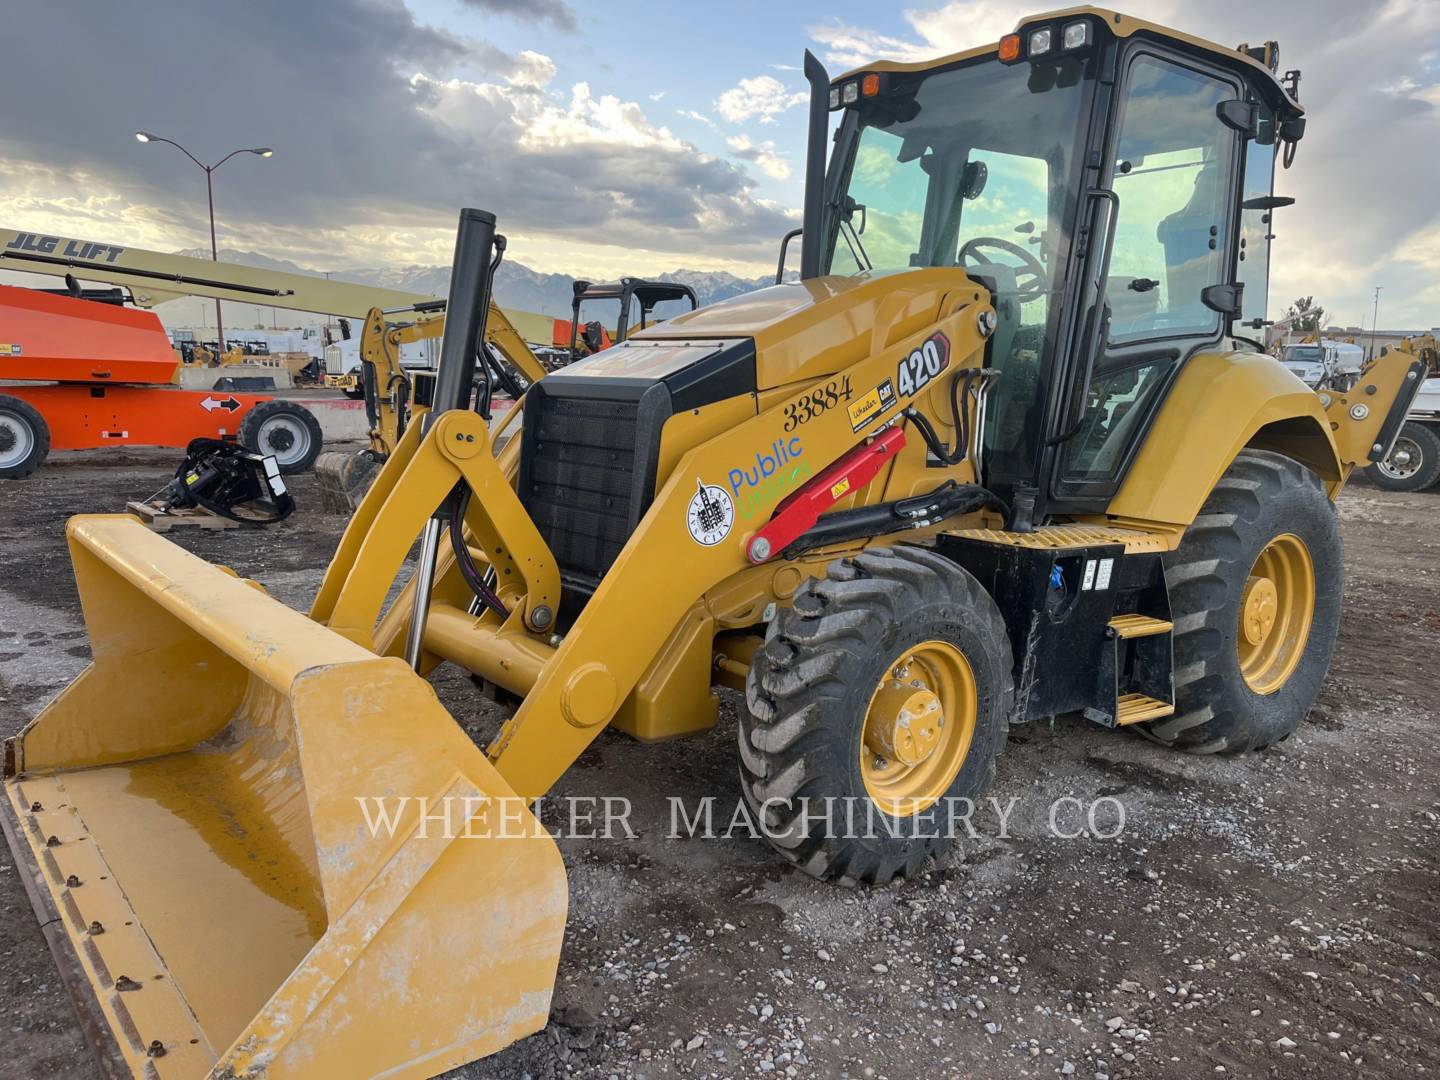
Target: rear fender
1220, 404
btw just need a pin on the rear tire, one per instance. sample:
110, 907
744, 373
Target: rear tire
1413, 463
1228, 699
24, 438
288, 431
825, 663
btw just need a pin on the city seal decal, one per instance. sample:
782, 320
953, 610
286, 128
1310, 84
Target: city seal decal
711, 514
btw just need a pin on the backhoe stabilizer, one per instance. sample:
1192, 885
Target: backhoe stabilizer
1366, 419
257, 848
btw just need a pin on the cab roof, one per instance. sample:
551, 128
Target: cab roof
1121, 26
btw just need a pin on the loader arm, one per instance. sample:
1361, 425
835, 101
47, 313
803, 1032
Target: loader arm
641, 600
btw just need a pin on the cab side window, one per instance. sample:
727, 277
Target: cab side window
1172, 174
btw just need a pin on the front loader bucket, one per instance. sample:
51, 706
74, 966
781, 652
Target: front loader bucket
344, 478
192, 816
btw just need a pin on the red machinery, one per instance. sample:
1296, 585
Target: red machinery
102, 374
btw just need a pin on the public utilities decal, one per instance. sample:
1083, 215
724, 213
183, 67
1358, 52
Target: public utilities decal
752, 489
711, 514
777, 471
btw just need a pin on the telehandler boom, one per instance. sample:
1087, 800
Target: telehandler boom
1000, 453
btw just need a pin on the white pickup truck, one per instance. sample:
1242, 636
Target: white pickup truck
1325, 365
1414, 461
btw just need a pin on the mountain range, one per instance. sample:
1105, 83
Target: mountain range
516, 286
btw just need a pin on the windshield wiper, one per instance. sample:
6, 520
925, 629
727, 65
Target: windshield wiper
852, 237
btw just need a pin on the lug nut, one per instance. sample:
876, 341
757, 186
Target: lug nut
35, 808
156, 1049
97, 927
72, 882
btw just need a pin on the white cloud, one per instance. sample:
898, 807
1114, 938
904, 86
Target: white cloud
701, 117
659, 95
762, 96
959, 25
762, 155
378, 140
531, 69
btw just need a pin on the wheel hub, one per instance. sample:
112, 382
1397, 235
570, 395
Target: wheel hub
1404, 461
918, 727
904, 723
8, 439
1277, 608
1259, 608
281, 438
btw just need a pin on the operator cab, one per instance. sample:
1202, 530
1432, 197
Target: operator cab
1110, 184
638, 300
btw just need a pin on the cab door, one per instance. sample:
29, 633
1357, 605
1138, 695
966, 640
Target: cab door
1172, 167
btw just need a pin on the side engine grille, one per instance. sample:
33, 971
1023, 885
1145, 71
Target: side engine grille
587, 474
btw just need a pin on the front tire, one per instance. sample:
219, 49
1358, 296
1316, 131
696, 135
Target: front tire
288, 431
24, 438
886, 690
1413, 463
1255, 591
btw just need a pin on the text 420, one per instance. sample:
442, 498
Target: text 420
916, 370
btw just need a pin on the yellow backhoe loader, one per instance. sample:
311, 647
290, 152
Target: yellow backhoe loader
998, 454
395, 396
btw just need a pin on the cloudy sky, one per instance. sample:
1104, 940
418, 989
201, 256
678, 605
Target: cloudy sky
620, 137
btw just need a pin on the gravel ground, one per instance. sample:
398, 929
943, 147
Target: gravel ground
1269, 915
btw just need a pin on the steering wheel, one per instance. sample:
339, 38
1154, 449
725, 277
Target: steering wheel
1031, 278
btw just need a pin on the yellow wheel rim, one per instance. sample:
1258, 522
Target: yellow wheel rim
918, 728
1276, 610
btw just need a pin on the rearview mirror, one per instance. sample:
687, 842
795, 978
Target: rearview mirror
1267, 202
972, 180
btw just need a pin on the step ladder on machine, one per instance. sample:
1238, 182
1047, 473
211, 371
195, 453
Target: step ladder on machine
1088, 612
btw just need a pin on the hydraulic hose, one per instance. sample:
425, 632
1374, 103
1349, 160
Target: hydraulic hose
960, 415
468, 570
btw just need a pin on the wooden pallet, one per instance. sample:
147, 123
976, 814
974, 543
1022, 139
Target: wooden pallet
165, 520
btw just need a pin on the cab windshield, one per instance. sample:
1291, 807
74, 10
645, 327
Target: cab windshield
972, 166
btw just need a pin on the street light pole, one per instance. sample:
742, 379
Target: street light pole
259, 151
1375, 320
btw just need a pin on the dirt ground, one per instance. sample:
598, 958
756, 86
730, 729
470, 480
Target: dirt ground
1271, 915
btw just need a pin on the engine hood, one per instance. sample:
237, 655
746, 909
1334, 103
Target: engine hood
806, 329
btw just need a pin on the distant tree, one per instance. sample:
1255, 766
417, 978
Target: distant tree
1305, 315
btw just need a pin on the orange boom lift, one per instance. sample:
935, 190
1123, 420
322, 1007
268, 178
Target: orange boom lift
98, 374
